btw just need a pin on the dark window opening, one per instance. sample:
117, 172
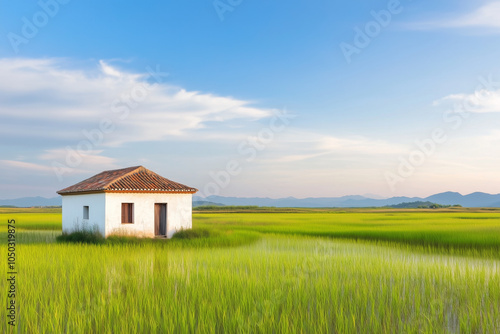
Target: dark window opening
127, 213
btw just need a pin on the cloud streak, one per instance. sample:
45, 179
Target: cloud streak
300, 146
487, 16
53, 100
482, 101
24, 166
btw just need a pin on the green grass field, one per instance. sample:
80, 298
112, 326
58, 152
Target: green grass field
361, 271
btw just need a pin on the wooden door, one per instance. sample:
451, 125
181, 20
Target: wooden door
161, 219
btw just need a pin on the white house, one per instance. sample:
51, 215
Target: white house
129, 201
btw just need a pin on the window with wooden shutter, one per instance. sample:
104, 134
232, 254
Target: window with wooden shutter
127, 213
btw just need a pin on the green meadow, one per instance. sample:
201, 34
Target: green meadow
265, 271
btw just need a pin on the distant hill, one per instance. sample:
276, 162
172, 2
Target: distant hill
27, 202
420, 205
311, 202
447, 198
205, 203
476, 199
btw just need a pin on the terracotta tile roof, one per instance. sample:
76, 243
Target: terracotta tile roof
132, 179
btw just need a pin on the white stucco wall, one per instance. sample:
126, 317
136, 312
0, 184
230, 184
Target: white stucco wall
72, 212
105, 212
179, 213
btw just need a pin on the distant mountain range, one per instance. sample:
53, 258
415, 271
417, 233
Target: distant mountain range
476, 199
27, 202
205, 203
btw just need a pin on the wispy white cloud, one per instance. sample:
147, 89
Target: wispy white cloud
358, 145
487, 15
84, 163
27, 166
482, 101
108, 70
81, 162
49, 99
298, 145
50, 103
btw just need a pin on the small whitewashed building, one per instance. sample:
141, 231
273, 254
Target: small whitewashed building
130, 201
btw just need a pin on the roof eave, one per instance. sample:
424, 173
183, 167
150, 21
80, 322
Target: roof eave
191, 191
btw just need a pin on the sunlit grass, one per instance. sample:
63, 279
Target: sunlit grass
263, 273
31, 219
439, 230
279, 284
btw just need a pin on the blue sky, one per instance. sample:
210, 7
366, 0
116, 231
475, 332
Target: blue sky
261, 97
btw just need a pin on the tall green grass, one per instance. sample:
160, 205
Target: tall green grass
444, 230
279, 284
32, 219
353, 272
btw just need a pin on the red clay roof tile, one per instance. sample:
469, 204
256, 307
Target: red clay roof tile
132, 179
